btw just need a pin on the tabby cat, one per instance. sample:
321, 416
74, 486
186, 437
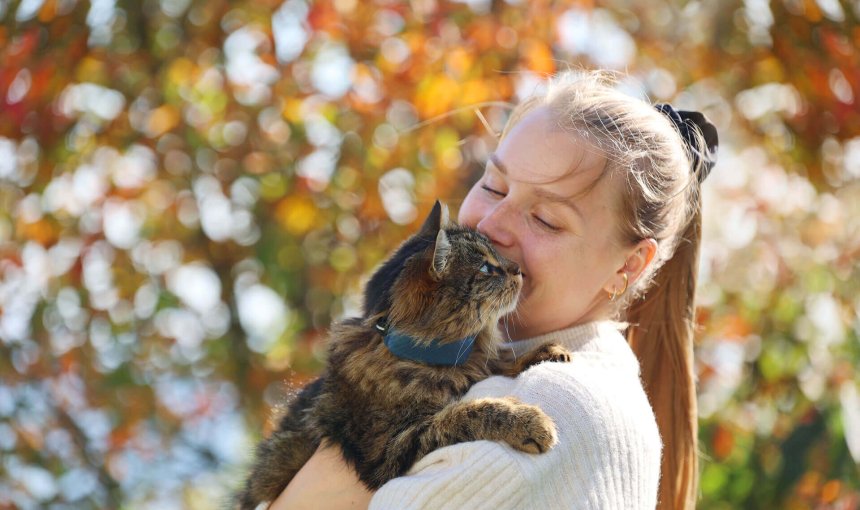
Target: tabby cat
389, 393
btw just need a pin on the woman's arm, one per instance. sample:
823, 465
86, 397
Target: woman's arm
473, 475
325, 481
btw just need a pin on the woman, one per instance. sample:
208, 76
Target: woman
595, 195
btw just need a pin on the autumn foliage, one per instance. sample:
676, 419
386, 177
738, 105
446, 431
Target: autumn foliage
192, 190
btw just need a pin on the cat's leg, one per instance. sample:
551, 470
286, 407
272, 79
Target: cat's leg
546, 352
524, 427
511, 366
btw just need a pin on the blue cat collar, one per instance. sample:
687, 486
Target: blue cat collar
451, 354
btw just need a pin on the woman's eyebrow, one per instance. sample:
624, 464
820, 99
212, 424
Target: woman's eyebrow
498, 164
540, 192
549, 196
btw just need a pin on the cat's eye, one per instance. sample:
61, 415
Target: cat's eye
488, 268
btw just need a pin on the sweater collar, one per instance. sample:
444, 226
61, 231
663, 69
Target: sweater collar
597, 336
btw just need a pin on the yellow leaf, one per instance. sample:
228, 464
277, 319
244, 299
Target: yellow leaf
473, 92
436, 95
90, 70
181, 70
297, 214
292, 110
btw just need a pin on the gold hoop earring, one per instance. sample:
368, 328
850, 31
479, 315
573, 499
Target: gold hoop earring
614, 295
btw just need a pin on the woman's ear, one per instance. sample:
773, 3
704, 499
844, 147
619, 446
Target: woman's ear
638, 259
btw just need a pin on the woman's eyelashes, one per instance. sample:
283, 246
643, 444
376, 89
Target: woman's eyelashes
492, 191
545, 224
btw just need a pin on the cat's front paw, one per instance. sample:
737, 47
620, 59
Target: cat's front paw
532, 430
546, 352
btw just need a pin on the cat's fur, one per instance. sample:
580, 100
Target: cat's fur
385, 412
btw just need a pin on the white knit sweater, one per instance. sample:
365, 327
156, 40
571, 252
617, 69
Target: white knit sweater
607, 457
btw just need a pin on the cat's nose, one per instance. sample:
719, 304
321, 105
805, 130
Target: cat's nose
515, 268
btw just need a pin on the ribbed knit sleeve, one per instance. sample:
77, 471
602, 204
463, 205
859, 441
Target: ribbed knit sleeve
473, 475
608, 455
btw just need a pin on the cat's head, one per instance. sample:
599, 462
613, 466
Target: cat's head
445, 282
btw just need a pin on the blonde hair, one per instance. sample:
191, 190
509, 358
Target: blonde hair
659, 201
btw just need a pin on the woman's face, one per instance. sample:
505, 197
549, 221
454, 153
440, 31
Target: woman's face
533, 202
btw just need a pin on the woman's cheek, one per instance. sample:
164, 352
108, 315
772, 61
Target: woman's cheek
541, 260
471, 212
527, 265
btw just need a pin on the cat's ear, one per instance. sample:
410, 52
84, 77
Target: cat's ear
441, 253
437, 219
444, 217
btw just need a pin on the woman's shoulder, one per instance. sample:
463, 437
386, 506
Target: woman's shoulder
606, 431
587, 391
597, 394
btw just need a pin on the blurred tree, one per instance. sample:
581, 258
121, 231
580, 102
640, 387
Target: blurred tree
191, 191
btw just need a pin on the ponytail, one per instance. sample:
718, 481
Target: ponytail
661, 335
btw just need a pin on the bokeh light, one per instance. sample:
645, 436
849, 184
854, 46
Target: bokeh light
192, 191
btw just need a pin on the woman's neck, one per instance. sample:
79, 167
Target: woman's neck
513, 330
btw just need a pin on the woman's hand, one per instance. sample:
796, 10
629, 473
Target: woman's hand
325, 481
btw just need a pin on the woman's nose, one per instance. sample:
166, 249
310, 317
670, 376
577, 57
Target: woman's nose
497, 226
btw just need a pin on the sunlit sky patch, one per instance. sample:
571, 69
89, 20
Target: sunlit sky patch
595, 33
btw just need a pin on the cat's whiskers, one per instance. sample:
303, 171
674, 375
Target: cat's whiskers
517, 313
508, 335
460, 351
507, 331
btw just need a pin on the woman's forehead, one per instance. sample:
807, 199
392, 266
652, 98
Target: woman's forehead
537, 150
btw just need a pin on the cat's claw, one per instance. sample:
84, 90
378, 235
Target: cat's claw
534, 431
546, 352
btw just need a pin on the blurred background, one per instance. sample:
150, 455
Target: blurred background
193, 190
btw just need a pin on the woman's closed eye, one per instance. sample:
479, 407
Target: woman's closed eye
547, 225
492, 191
543, 223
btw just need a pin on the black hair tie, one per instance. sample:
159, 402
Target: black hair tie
687, 122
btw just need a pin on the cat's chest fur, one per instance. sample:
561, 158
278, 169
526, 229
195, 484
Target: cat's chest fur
366, 373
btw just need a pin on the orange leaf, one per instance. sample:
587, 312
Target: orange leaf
161, 120
483, 34
474, 91
48, 11
537, 57
458, 62
830, 491
722, 442
734, 327
40, 231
